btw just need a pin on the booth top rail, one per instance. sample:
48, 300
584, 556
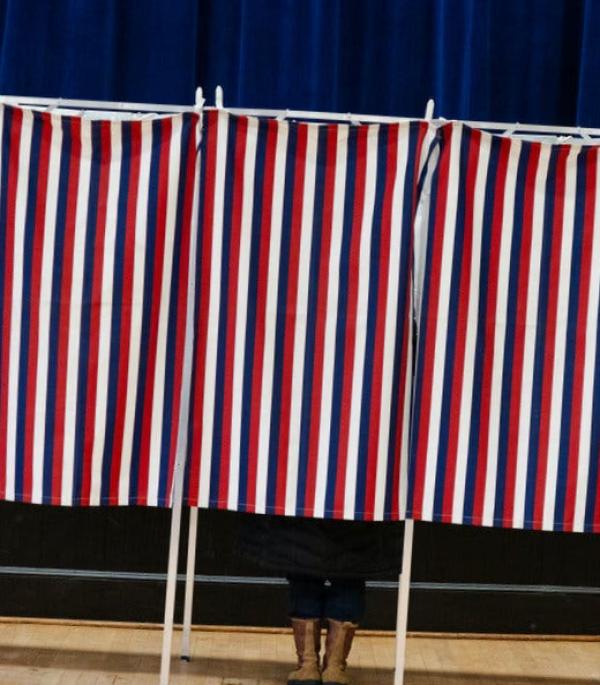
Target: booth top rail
115, 106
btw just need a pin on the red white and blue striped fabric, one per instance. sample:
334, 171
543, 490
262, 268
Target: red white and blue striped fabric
96, 250
301, 393
506, 425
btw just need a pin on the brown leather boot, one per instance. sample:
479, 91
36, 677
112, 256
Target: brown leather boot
339, 640
307, 636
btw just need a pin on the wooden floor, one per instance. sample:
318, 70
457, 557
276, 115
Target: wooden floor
57, 654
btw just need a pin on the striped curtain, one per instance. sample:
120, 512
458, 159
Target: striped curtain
302, 381
96, 250
506, 425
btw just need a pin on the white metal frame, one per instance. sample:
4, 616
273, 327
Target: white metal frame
130, 109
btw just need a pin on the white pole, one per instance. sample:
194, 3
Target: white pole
403, 597
180, 462
165, 659
189, 584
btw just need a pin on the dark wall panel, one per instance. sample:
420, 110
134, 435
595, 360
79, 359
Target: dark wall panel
110, 564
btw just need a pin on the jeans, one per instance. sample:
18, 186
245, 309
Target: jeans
340, 599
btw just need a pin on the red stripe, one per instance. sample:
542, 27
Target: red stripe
552, 313
519, 341
382, 300
65, 308
352, 303
95, 312
232, 292
210, 132
189, 163
157, 278
126, 307
261, 303
424, 409
490, 331
405, 330
461, 328
290, 319
36, 276
580, 348
13, 175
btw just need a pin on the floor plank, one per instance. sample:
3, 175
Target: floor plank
53, 654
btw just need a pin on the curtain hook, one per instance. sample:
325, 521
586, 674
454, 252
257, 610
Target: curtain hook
219, 97
199, 98
429, 108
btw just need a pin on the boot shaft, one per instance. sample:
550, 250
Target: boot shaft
337, 648
307, 637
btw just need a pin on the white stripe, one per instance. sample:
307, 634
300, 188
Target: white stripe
562, 308
271, 318
362, 313
307, 230
242, 311
449, 229
591, 341
393, 328
213, 313
466, 399
157, 423
537, 235
17, 300
333, 276
508, 220
39, 424
137, 302
75, 305
106, 307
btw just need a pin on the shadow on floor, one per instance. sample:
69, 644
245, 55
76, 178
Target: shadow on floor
232, 669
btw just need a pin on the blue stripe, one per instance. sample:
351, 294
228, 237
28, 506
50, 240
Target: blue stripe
32, 188
116, 313
509, 337
323, 164
473, 453
450, 352
142, 371
594, 462
382, 173
538, 370
443, 143
403, 317
223, 313
284, 260
89, 266
255, 244
571, 351
340, 337
170, 388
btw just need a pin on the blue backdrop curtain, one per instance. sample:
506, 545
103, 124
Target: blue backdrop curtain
525, 60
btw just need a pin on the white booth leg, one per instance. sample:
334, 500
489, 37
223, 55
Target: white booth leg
189, 584
403, 597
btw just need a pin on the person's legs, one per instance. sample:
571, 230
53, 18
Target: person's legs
344, 609
345, 600
306, 610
